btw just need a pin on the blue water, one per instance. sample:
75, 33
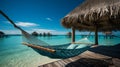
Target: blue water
14, 54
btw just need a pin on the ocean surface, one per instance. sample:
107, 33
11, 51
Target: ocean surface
14, 54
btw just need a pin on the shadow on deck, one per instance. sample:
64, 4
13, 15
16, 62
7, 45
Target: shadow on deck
88, 62
112, 51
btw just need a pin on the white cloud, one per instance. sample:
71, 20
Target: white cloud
49, 19
23, 24
26, 24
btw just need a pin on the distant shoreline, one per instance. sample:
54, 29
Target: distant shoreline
54, 35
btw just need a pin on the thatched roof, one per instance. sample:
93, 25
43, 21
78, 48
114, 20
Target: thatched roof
105, 14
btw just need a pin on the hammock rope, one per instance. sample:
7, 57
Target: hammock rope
29, 38
43, 48
84, 40
88, 34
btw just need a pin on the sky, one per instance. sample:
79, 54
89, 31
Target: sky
36, 15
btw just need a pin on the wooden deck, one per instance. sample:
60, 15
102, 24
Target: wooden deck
113, 62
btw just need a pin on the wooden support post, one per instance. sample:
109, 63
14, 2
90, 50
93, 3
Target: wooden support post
73, 34
96, 35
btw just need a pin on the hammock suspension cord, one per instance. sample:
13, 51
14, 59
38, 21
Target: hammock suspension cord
57, 51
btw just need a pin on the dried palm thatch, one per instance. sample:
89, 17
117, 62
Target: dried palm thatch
95, 15
103, 14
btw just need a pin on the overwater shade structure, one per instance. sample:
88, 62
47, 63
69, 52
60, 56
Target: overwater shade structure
58, 51
2, 34
94, 15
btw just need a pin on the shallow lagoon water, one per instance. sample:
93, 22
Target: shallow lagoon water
14, 54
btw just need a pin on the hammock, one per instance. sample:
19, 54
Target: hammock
43, 48
84, 40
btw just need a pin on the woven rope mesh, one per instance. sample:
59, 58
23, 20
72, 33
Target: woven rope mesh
33, 40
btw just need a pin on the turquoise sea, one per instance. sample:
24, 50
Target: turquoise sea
14, 54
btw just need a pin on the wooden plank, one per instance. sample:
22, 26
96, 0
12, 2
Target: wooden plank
39, 47
75, 58
67, 61
61, 64
72, 59
86, 54
56, 64
40, 66
116, 62
48, 65
95, 55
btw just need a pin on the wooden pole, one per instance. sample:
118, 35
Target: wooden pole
96, 35
73, 34
40, 47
